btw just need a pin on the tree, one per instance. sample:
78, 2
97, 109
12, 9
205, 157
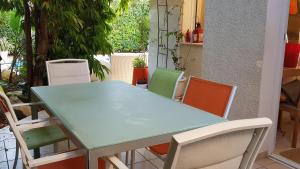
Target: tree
131, 28
64, 29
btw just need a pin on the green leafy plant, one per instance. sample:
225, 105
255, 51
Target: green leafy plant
64, 29
5, 45
176, 58
130, 28
139, 62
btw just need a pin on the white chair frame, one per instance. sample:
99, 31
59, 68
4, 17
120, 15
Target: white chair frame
19, 127
176, 85
261, 128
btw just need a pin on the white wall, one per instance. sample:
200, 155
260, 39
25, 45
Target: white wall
174, 20
276, 26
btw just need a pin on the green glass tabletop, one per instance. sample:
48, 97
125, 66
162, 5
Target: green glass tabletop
112, 112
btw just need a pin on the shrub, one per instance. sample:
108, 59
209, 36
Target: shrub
5, 29
130, 30
5, 45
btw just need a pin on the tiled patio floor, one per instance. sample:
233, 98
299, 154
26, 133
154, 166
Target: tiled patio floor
144, 159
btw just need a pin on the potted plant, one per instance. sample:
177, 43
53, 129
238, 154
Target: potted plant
5, 46
140, 71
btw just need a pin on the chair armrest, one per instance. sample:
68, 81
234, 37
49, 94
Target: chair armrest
35, 125
116, 162
54, 158
32, 121
27, 104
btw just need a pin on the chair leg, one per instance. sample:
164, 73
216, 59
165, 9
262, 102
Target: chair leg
127, 158
16, 156
132, 159
295, 132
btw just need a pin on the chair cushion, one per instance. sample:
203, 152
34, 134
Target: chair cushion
43, 136
72, 163
160, 149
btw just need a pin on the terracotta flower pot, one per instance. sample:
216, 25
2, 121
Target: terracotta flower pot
140, 74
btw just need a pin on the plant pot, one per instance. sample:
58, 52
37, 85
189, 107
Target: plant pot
291, 57
139, 74
180, 88
4, 55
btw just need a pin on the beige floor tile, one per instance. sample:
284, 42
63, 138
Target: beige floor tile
158, 163
138, 157
256, 166
277, 166
264, 162
144, 165
147, 154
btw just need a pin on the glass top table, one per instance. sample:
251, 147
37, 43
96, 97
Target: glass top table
111, 117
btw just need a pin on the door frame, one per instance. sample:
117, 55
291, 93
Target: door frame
272, 66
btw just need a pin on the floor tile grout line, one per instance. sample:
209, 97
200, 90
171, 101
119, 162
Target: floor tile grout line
5, 149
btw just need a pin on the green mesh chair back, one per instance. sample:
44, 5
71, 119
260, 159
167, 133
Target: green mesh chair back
164, 82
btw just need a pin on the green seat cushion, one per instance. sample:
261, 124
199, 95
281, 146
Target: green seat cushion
163, 82
43, 136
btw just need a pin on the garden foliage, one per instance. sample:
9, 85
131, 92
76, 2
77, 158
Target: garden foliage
130, 29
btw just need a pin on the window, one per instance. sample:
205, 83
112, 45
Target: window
193, 13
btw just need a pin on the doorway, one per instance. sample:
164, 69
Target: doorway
287, 147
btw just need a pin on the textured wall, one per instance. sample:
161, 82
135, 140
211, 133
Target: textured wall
234, 49
192, 55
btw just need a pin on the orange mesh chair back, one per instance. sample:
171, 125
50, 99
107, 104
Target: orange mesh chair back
215, 98
206, 95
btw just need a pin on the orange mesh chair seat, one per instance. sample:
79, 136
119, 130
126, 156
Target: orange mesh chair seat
213, 97
71, 163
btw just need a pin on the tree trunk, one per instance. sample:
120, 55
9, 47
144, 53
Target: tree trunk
42, 47
28, 39
13, 64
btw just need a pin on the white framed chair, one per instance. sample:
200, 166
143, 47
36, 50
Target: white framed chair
67, 71
227, 145
36, 133
212, 97
68, 160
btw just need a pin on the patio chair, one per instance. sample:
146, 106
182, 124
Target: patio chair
164, 82
68, 71
227, 145
46, 134
68, 160
290, 99
212, 97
